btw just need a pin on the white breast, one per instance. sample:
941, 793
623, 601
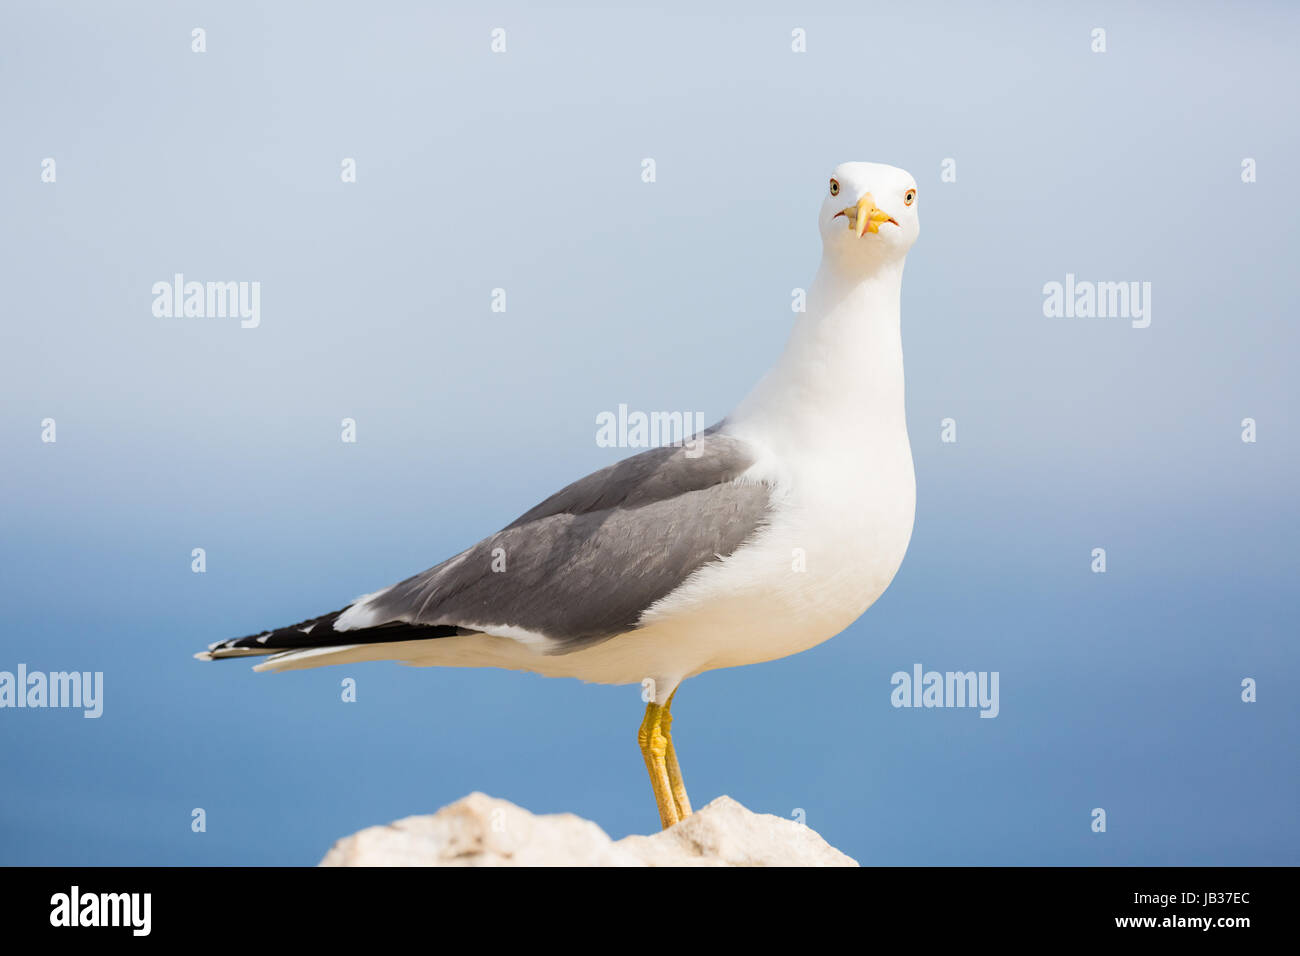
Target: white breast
836, 539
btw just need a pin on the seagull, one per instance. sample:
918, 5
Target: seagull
757, 538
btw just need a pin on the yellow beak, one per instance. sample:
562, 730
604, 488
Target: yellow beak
865, 217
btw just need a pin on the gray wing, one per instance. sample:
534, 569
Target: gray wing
584, 564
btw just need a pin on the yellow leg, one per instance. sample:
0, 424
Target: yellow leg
674, 769
654, 747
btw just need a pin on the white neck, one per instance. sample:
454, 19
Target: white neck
841, 374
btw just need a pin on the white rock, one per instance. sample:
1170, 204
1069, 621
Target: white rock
479, 830
725, 833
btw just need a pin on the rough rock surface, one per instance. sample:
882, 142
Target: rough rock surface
479, 830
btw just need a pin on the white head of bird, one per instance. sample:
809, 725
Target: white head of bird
868, 216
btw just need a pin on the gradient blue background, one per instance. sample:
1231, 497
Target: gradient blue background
523, 171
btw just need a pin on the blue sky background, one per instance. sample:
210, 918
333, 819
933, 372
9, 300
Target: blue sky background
522, 171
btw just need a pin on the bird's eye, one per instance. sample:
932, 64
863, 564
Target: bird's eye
835, 188
909, 197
